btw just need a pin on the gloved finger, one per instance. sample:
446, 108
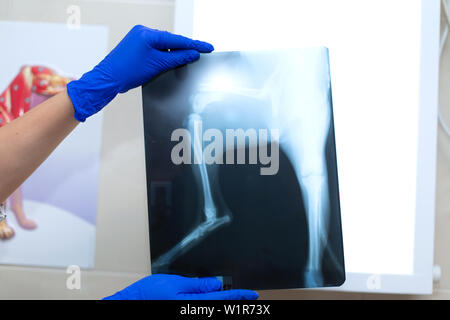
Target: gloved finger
200, 285
223, 295
167, 40
181, 57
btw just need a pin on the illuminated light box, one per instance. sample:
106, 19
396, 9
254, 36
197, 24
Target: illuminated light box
384, 70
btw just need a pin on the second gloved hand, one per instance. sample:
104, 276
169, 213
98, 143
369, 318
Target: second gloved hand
173, 287
140, 56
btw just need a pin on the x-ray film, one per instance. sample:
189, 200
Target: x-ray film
241, 170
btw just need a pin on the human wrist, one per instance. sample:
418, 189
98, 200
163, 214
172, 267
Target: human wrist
91, 93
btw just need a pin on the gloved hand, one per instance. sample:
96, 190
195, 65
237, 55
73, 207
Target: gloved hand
173, 287
141, 55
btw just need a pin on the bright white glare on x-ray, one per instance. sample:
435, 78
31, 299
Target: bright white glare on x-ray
375, 105
221, 81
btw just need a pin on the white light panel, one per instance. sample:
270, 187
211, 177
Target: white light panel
375, 55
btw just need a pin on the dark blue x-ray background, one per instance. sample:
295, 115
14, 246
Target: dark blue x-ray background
266, 244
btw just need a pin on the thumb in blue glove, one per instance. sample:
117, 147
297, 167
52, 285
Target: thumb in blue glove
140, 56
173, 287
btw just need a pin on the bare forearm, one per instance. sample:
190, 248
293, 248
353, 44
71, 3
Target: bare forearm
27, 141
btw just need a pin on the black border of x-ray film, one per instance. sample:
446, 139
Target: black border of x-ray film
335, 217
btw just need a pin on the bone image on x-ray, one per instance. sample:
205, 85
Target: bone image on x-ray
299, 93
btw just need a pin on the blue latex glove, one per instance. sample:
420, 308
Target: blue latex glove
141, 55
173, 287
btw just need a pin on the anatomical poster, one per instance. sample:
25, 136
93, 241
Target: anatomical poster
241, 170
51, 218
